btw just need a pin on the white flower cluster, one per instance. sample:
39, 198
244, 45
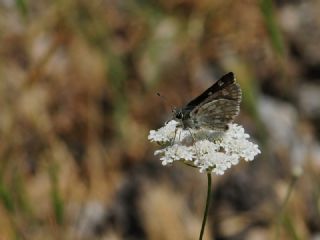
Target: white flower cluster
207, 150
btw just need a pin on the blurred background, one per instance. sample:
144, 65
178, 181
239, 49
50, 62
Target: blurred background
78, 97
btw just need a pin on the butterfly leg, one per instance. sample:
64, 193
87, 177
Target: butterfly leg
174, 138
194, 140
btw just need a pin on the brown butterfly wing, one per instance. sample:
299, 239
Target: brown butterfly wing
218, 109
224, 82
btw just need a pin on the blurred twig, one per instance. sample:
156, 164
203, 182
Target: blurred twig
281, 214
23, 7
267, 10
36, 72
57, 202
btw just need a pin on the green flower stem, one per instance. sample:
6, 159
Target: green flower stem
204, 220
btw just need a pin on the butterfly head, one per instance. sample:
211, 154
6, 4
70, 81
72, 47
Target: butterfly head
178, 114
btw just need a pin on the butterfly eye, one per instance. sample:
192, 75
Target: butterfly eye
179, 115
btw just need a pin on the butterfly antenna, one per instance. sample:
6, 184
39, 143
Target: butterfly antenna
173, 109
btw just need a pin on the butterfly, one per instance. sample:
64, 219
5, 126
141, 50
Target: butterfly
215, 108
